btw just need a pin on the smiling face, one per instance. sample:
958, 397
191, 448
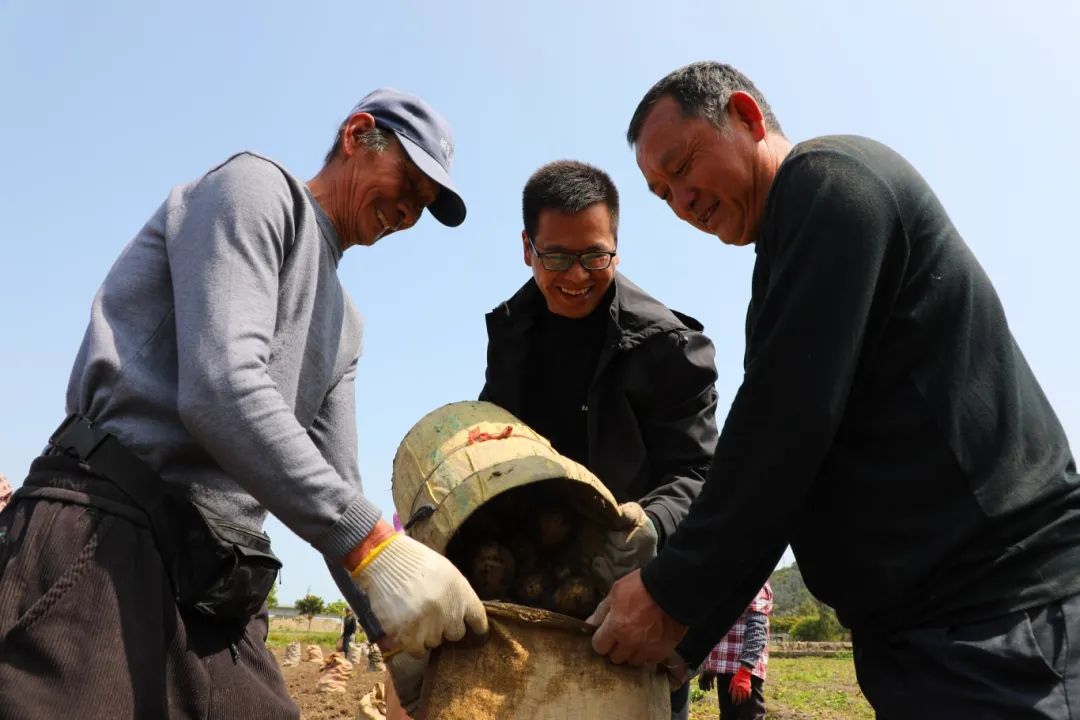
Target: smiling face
709, 177
387, 192
572, 293
375, 191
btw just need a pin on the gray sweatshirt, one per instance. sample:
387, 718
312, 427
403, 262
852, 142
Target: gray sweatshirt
222, 349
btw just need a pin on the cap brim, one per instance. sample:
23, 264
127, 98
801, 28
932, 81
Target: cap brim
448, 208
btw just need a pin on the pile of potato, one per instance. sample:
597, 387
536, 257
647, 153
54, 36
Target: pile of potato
527, 546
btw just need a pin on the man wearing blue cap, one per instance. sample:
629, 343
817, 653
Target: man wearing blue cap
215, 384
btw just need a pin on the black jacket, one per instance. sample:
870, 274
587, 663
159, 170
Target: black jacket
651, 405
887, 422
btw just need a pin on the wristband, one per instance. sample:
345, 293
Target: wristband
375, 542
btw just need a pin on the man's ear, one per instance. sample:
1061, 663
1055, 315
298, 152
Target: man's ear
526, 249
748, 112
356, 126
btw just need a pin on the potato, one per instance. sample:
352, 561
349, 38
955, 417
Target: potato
561, 572
533, 589
491, 571
554, 527
575, 597
526, 554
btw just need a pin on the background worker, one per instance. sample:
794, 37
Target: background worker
348, 630
738, 664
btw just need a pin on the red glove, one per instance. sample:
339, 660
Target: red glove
739, 689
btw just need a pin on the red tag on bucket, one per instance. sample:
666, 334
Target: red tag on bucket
476, 435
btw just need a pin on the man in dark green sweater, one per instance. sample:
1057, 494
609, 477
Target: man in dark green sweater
886, 417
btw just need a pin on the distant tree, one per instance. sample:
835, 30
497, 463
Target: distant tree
830, 623
783, 624
336, 608
798, 612
310, 606
824, 626
807, 629
790, 596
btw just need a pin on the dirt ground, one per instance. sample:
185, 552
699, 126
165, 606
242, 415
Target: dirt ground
798, 689
301, 681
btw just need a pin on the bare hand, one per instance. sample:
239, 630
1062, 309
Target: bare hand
632, 627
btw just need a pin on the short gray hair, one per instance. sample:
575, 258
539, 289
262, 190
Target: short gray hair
376, 139
703, 90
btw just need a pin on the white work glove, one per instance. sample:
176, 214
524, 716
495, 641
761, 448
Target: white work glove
627, 548
418, 596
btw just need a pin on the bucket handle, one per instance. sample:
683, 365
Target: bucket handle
422, 513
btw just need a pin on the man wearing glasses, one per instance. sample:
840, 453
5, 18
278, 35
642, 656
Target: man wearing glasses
616, 380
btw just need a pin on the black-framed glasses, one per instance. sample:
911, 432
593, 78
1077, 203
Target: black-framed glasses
563, 261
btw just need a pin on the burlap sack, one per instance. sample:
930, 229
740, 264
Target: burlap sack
332, 683
292, 655
339, 662
313, 653
355, 653
5, 491
375, 661
336, 672
537, 665
373, 705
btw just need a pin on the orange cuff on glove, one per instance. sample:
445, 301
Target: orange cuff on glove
379, 537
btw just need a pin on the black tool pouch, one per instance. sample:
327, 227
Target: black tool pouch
219, 569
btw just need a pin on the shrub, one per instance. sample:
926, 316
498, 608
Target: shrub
783, 625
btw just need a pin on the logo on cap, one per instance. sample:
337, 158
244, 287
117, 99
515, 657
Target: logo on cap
448, 148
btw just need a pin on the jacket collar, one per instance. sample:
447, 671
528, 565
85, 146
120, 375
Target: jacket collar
635, 315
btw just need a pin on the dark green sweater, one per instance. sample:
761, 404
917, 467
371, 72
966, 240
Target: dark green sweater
887, 427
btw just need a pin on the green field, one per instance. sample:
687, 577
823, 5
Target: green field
803, 688
281, 638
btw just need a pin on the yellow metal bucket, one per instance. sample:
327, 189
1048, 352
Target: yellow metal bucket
460, 456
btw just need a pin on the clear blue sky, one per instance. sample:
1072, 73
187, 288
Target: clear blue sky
107, 105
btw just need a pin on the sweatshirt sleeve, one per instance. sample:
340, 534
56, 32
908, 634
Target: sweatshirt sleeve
334, 429
834, 233
226, 250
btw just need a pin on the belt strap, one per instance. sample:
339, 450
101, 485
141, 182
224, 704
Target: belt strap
80, 437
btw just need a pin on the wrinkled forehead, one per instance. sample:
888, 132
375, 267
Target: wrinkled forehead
663, 136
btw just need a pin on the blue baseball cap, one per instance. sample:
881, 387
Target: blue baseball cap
426, 137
